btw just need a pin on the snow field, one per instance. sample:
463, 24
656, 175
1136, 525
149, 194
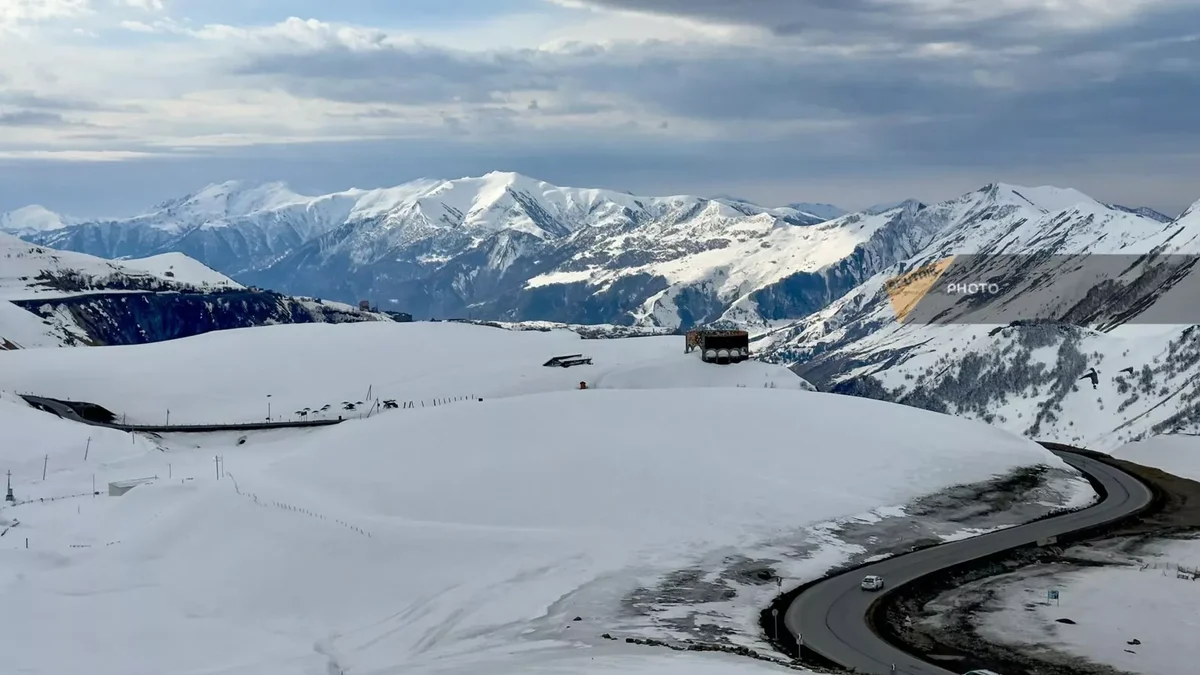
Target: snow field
226, 376
1178, 454
450, 540
1111, 607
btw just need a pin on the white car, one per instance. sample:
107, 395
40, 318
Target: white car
872, 583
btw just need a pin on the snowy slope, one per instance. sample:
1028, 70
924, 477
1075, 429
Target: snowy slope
62, 298
179, 267
1175, 454
856, 345
314, 365
31, 272
22, 329
736, 258
450, 540
23, 263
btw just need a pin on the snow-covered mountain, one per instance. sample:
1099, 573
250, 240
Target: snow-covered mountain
1143, 211
508, 247
52, 298
816, 209
1094, 376
34, 219
499, 246
820, 210
230, 226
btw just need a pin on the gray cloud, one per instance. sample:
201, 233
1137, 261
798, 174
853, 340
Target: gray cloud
412, 76
30, 100
1128, 88
981, 23
765, 171
783, 17
31, 118
1110, 110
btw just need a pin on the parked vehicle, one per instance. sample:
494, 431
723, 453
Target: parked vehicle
872, 583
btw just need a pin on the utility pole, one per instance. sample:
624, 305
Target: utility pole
168, 417
45, 463
217, 466
86, 448
268, 407
8, 497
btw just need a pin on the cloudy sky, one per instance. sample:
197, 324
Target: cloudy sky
108, 106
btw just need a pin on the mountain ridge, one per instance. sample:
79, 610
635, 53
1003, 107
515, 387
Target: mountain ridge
51, 298
504, 246
1075, 369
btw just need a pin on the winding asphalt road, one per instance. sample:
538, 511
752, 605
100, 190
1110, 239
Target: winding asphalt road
830, 617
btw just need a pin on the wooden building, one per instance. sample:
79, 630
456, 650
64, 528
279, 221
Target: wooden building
719, 346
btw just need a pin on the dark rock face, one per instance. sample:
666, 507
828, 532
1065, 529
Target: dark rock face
127, 318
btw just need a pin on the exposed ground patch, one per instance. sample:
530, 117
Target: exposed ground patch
712, 602
939, 619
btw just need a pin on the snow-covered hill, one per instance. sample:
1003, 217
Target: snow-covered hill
402, 361
29, 272
1056, 256
447, 540
179, 267
52, 298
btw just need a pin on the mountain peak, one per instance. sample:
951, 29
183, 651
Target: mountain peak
889, 206
1144, 211
1044, 197
1194, 209
229, 199
507, 176
819, 209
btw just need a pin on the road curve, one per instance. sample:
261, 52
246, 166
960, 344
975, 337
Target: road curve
830, 617
68, 413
